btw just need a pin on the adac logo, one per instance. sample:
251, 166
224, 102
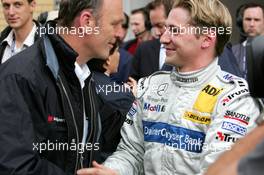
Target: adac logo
154, 108
225, 137
197, 118
210, 90
233, 95
207, 99
237, 116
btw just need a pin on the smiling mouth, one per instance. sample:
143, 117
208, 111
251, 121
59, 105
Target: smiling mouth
12, 20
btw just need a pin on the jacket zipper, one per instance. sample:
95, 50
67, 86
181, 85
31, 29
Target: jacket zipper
81, 154
92, 116
74, 121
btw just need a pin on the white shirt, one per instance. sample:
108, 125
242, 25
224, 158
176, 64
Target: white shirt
11, 48
83, 72
162, 56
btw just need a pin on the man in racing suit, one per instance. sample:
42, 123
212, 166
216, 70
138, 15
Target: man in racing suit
184, 119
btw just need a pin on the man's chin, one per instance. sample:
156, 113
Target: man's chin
171, 61
14, 25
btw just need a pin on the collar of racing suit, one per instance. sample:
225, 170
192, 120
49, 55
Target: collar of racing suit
196, 78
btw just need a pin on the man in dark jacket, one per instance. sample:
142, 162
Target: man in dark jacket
116, 100
49, 115
150, 55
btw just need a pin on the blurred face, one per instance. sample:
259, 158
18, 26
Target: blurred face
137, 23
18, 13
113, 62
123, 32
122, 36
253, 21
181, 47
99, 45
157, 19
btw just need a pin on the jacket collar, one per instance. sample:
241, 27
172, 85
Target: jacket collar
58, 52
196, 78
8, 29
29, 40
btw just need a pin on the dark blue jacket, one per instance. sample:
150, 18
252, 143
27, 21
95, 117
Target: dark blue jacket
124, 67
227, 61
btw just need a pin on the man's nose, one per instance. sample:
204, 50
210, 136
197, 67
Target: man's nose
252, 22
11, 10
118, 31
165, 37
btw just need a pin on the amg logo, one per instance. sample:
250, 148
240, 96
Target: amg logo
225, 137
154, 108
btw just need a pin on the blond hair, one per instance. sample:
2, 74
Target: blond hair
209, 13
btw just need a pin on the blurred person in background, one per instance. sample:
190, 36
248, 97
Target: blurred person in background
141, 27
150, 55
21, 32
125, 61
251, 20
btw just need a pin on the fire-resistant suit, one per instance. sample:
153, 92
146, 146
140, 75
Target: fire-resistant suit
180, 123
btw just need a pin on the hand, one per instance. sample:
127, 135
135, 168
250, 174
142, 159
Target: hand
133, 85
97, 170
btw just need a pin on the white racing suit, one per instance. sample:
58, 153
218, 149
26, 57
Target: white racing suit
181, 123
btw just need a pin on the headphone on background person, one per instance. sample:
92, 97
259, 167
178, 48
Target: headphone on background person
239, 21
239, 17
147, 22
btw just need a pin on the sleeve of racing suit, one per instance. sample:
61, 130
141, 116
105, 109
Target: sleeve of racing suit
229, 124
17, 131
128, 158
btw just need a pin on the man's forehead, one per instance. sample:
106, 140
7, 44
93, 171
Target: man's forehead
172, 22
254, 11
178, 16
114, 8
137, 15
160, 7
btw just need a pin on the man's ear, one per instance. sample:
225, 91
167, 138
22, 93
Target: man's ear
209, 39
106, 64
86, 18
32, 5
107, 61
